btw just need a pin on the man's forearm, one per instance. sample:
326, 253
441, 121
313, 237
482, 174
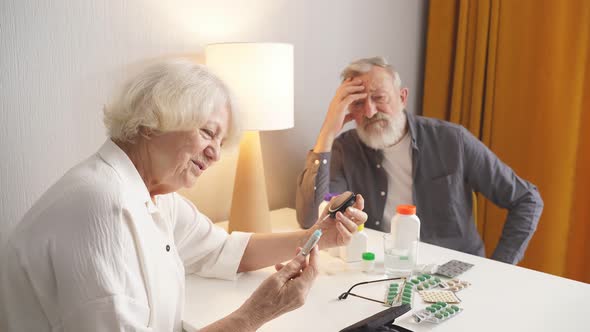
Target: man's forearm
519, 228
324, 143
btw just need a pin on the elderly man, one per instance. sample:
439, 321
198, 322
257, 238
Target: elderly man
395, 157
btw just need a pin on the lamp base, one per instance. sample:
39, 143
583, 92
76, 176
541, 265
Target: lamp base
249, 207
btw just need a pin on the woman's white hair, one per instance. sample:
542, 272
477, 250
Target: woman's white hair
171, 95
361, 66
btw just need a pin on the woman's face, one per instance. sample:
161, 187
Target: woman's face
178, 158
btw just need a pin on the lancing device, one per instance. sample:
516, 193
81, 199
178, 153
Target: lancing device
340, 204
313, 240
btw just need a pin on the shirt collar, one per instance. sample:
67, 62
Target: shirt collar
120, 162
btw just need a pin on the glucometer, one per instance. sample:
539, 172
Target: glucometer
341, 203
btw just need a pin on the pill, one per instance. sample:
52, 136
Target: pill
439, 316
446, 314
421, 278
455, 307
431, 309
414, 281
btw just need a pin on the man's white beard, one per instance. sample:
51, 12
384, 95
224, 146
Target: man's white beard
377, 137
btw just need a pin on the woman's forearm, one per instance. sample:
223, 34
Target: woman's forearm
241, 320
267, 249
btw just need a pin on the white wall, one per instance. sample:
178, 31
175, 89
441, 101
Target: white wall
61, 60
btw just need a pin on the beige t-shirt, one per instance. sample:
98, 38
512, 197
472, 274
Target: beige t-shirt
397, 161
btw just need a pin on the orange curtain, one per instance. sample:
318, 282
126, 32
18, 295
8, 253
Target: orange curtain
517, 75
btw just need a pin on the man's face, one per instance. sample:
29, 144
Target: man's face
379, 117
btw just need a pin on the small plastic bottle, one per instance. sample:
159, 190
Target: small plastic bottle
353, 252
401, 246
368, 262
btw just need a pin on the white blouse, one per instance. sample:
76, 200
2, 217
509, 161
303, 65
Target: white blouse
96, 254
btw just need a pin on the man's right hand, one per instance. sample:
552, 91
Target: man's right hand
349, 91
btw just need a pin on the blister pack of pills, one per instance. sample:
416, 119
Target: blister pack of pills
399, 293
437, 313
454, 285
424, 281
453, 268
434, 296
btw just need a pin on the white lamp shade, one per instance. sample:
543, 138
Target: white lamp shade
261, 77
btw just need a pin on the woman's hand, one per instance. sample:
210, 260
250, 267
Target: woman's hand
283, 291
338, 231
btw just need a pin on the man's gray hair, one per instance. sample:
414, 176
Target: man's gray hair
361, 66
171, 95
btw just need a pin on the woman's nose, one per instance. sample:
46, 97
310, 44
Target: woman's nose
213, 152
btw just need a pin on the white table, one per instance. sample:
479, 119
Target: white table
502, 297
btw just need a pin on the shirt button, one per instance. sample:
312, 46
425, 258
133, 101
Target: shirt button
377, 222
383, 193
314, 188
324, 161
167, 247
378, 165
317, 162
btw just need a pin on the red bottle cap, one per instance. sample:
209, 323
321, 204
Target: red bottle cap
406, 209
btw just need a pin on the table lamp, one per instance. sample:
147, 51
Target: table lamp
261, 77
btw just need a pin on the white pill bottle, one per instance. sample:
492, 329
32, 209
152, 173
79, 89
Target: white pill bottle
401, 251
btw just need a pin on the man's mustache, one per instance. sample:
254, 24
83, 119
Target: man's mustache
375, 118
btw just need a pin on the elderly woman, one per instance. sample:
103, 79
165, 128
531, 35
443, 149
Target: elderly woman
107, 247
